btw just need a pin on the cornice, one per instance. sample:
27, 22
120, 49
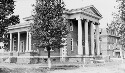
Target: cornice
22, 25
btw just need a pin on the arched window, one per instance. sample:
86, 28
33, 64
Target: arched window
71, 26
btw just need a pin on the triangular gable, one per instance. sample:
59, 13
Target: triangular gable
91, 9
95, 11
88, 9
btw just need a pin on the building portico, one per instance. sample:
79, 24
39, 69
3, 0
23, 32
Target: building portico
20, 42
87, 18
20, 38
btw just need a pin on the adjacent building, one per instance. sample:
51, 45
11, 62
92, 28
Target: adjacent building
109, 43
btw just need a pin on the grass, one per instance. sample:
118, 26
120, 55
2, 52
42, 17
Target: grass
22, 70
38, 70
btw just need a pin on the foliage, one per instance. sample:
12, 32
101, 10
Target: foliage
49, 25
118, 23
6, 18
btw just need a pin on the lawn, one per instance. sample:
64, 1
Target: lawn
22, 70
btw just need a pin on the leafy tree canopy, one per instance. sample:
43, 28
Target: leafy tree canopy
118, 24
6, 17
49, 26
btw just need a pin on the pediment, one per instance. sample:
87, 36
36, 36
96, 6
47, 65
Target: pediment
90, 10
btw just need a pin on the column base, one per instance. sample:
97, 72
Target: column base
76, 58
79, 55
28, 51
87, 59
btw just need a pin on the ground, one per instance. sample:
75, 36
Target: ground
112, 67
109, 67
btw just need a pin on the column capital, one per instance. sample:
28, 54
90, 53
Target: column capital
79, 18
18, 32
97, 23
92, 22
87, 20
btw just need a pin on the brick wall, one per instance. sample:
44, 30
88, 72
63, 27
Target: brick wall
73, 34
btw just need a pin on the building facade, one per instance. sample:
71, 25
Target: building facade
80, 40
109, 43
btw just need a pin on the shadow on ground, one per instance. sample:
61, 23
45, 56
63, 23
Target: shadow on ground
38, 70
64, 67
22, 70
5, 70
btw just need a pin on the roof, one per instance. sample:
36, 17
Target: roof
89, 10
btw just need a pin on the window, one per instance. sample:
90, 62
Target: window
71, 44
71, 26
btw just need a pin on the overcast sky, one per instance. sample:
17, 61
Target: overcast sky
105, 7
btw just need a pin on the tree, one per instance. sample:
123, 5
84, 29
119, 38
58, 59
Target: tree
122, 22
49, 27
6, 18
118, 24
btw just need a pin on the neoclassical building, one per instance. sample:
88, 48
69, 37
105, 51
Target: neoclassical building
80, 40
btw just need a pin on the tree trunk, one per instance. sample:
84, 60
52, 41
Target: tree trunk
49, 61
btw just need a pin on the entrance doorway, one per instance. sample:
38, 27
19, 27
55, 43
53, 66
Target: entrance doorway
22, 46
117, 54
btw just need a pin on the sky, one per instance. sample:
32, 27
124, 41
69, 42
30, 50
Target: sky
24, 8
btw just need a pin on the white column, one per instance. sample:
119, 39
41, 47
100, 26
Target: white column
86, 38
113, 53
80, 48
10, 42
92, 39
29, 41
97, 39
18, 41
120, 52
